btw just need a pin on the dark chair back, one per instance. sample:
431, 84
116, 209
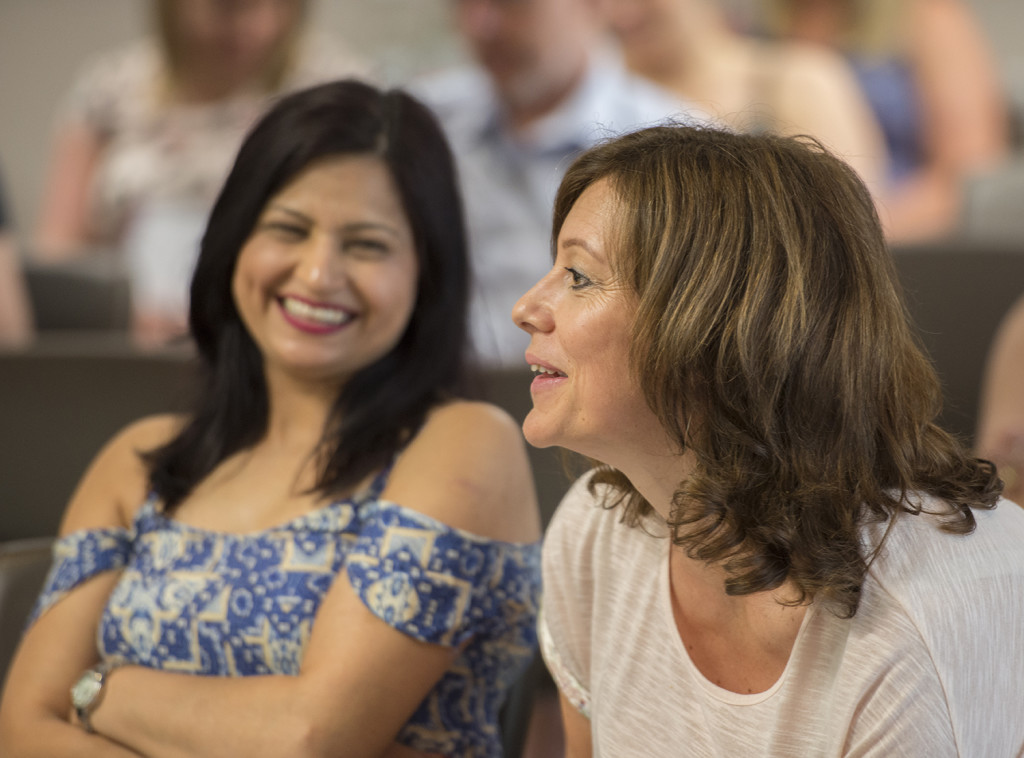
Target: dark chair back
93, 295
59, 403
509, 388
23, 567
957, 293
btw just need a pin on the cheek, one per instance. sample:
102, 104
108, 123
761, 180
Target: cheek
393, 291
253, 275
242, 294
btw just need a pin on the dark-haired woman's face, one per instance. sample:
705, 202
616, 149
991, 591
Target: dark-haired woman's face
326, 282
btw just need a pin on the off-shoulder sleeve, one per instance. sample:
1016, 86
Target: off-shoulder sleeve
80, 556
440, 584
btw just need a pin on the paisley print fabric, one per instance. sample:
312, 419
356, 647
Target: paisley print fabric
212, 603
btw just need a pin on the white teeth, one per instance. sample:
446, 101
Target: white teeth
331, 316
537, 369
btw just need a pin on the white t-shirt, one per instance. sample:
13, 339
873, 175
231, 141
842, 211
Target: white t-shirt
931, 665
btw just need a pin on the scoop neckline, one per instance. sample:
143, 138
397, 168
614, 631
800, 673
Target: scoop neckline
721, 694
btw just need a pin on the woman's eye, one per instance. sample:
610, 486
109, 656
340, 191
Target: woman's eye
285, 230
579, 281
365, 247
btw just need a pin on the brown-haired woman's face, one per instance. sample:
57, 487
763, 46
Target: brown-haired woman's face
579, 317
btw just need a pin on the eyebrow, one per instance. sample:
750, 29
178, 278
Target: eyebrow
359, 226
579, 242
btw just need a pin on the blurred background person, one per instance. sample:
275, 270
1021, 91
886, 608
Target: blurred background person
15, 311
750, 84
545, 85
147, 134
1000, 436
928, 71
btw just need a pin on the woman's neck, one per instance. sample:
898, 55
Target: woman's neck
298, 411
741, 643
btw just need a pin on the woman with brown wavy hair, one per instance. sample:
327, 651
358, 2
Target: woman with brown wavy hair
778, 552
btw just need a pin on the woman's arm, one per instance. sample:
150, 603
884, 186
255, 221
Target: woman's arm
1001, 419
15, 313
360, 679
820, 96
577, 731
964, 115
62, 230
36, 704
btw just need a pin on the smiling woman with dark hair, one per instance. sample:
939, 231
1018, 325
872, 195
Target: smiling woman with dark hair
778, 552
331, 522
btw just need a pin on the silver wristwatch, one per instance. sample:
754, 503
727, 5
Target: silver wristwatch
87, 692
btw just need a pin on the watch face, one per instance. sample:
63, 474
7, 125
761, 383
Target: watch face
85, 689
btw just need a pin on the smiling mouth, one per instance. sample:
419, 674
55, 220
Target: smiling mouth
317, 314
544, 371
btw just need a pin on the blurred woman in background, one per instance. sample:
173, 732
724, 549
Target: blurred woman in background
147, 135
930, 77
750, 84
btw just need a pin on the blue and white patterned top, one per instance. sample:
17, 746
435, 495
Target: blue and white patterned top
201, 602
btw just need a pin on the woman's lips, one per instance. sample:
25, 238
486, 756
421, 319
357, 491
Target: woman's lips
314, 318
545, 375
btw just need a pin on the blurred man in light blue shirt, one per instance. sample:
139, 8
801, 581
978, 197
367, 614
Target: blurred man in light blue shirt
546, 85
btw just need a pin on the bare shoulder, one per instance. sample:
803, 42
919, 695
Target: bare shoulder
468, 468
942, 17
807, 65
116, 482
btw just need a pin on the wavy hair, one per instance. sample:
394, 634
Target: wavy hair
384, 403
772, 340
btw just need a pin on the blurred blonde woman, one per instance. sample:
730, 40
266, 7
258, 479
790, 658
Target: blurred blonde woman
146, 136
929, 74
690, 47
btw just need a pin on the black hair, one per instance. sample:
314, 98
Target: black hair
384, 403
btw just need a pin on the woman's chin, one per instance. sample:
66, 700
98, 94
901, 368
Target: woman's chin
538, 432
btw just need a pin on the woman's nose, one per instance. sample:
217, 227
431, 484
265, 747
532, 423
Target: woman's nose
320, 264
532, 311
